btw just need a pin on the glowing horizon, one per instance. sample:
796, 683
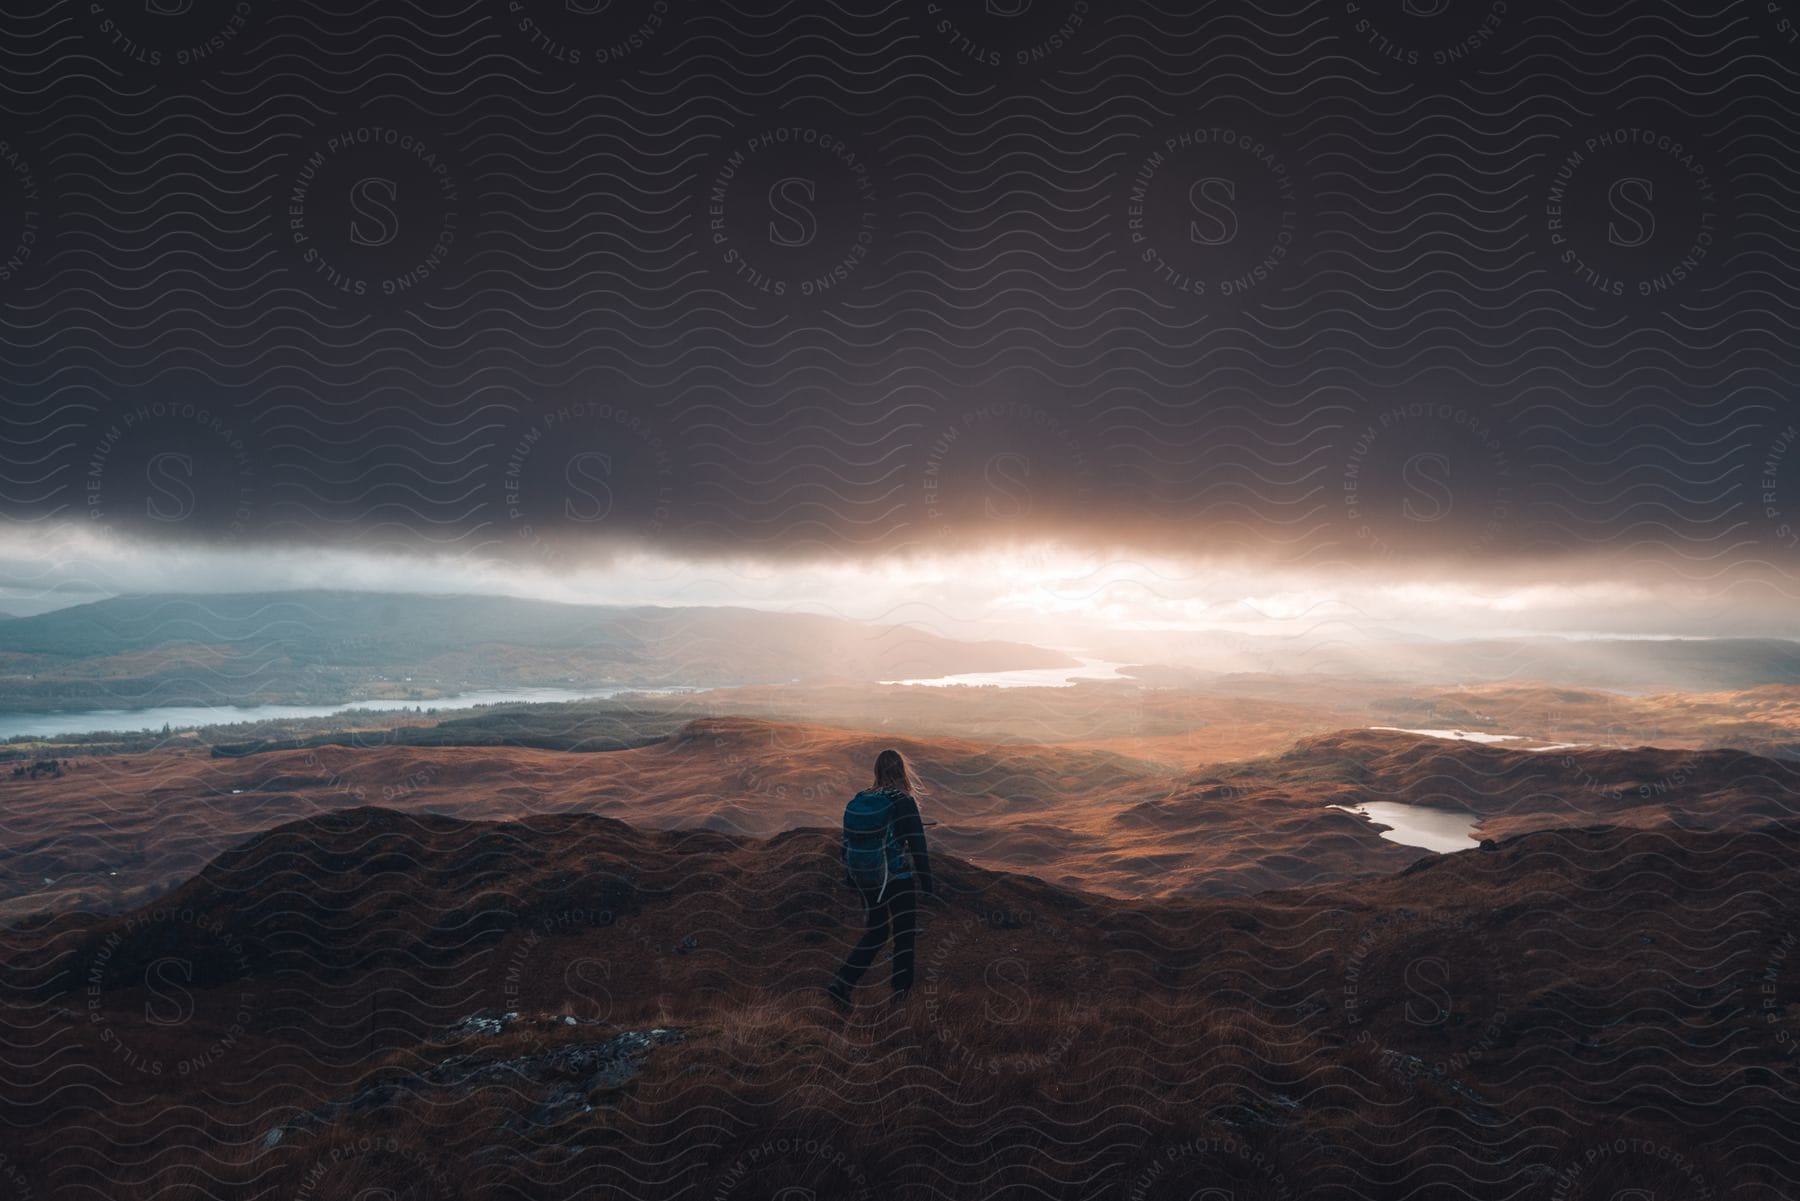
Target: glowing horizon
1046, 592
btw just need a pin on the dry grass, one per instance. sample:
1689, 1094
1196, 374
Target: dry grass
1056, 1045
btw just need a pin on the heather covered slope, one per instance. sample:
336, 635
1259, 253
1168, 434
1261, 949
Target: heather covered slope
151, 818
114, 831
1513, 791
1571, 1014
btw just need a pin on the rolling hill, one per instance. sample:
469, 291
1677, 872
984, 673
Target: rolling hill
111, 832
372, 1003
332, 647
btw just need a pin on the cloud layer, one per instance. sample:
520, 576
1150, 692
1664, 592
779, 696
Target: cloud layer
1489, 293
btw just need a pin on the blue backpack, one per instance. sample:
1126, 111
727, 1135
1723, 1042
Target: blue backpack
871, 851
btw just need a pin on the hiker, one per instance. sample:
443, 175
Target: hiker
885, 860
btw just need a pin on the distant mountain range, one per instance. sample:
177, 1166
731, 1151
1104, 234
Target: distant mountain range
332, 647
1617, 664
328, 647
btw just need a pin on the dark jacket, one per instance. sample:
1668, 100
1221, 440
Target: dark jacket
910, 830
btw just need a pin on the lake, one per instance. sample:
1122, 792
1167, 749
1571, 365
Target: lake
1487, 739
187, 717
1455, 735
1441, 830
1028, 677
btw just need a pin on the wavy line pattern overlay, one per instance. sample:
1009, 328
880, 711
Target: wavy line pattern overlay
1342, 284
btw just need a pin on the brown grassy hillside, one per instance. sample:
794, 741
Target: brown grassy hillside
115, 831
1571, 1014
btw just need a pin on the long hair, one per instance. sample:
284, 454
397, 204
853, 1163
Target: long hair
890, 772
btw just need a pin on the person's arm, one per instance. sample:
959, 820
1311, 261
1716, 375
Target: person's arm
912, 833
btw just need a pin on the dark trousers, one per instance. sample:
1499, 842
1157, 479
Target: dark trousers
896, 911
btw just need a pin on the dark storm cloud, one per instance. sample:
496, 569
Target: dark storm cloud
1377, 283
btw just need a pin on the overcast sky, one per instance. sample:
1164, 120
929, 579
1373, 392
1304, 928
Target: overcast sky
1465, 313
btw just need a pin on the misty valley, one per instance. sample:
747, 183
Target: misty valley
566, 872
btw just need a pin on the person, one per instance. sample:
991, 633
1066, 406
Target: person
887, 862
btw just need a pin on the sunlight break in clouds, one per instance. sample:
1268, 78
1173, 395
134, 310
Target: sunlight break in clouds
1042, 592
